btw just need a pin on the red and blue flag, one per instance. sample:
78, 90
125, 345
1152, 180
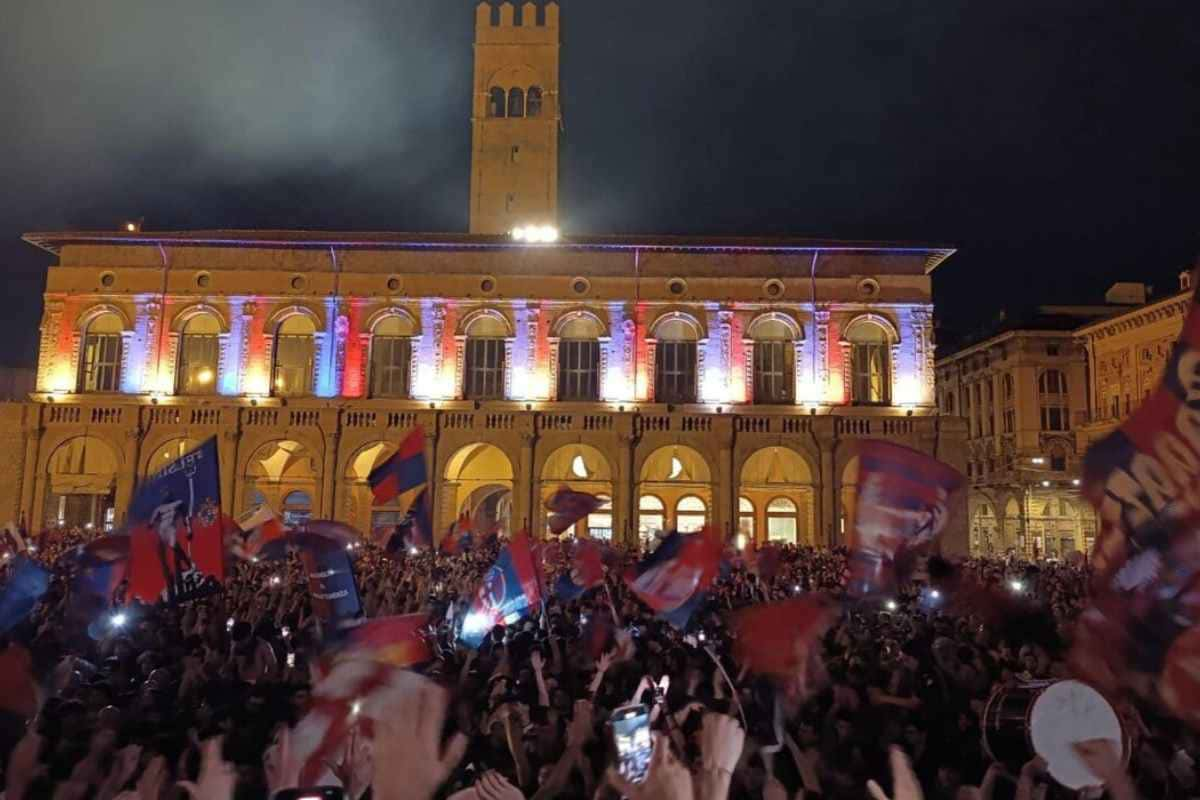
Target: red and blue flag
403, 471
177, 531
27, 582
674, 579
458, 539
586, 572
508, 592
567, 506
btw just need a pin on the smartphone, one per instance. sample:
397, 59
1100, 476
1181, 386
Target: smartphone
291, 660
229, 624
631, 737
312, 793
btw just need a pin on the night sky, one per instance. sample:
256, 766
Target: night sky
1055, 142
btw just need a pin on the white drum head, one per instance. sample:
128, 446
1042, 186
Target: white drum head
1065, 713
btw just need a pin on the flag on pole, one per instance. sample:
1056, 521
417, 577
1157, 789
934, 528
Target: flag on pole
403, 471
674, 578
458, 539
399, 641
567, 506
260, 526
509, 590
903, 503
586, 572
177, 537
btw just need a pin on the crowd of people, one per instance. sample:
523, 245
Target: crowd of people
203, 698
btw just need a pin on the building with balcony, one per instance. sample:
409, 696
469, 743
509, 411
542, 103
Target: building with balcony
687, 381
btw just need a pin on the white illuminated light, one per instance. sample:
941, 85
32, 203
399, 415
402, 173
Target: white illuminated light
1017, 586
741, 541
118, 620
1038, 460
1075, 482
412, 551
676, 468
356, 708
1045, 484
578, 467
276, 580
535, 234
891, 605
475, 624
935, 594
253, 559
205, 375
31, 547
796, 588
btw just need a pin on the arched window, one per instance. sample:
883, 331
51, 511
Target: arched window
774, 357
579, 360
870, 367
199, 355
1052, 391
516, 102
391, 357
746, 518
675, 362
783, 520
651, 516
690, 514
533, 102
484, 365
100, 361
293, 361
599, 522
297, 508
497, 102
1010, 388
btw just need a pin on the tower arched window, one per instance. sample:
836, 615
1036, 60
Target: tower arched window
691, 514
533, 102
774, 362
870, 364
746, 518
783, 520
579, 360
293, 359
100, 361
497, 102
675, 361
391, 357
483, 368
516, 102
199, 355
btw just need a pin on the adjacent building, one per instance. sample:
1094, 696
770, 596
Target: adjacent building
686, 381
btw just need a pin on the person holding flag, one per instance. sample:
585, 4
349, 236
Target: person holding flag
508, 591
404, 475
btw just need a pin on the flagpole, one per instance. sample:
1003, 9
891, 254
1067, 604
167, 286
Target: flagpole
732, 689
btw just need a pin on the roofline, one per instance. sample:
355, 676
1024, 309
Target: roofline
1092, 327
54, 241
1039, 333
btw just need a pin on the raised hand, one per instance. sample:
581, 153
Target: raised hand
410, 762
666, 779
217, 777
904, 782
494, 786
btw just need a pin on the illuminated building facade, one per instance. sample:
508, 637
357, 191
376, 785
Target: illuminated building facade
1023, 394
685, 380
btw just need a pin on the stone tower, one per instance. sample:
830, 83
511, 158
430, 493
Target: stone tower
515, 119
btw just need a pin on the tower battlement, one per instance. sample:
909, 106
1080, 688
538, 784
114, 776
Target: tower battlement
501, 22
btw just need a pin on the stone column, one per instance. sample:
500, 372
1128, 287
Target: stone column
625, 501
523, 483
32, 480
128, 476
827, 500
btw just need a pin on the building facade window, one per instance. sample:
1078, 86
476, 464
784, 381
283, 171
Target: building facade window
579, 360
1058, 458
783, 521
1052, 391
600, 521
294, 356
691, 514
675, 362
746, 518
391, 358
651, 517
483, 369
297, 508
199, 355
100, 357
774, 367
870, 364
516, 102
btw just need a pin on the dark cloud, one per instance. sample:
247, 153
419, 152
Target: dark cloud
1054, 140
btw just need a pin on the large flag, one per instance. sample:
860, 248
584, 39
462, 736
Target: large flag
1143, 629
99, 568
674, 578
509, 590
567, 506
779, 639
904, 501
403, 471
177, 529
27, 582
400, 641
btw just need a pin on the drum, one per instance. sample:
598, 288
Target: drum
1045, 718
